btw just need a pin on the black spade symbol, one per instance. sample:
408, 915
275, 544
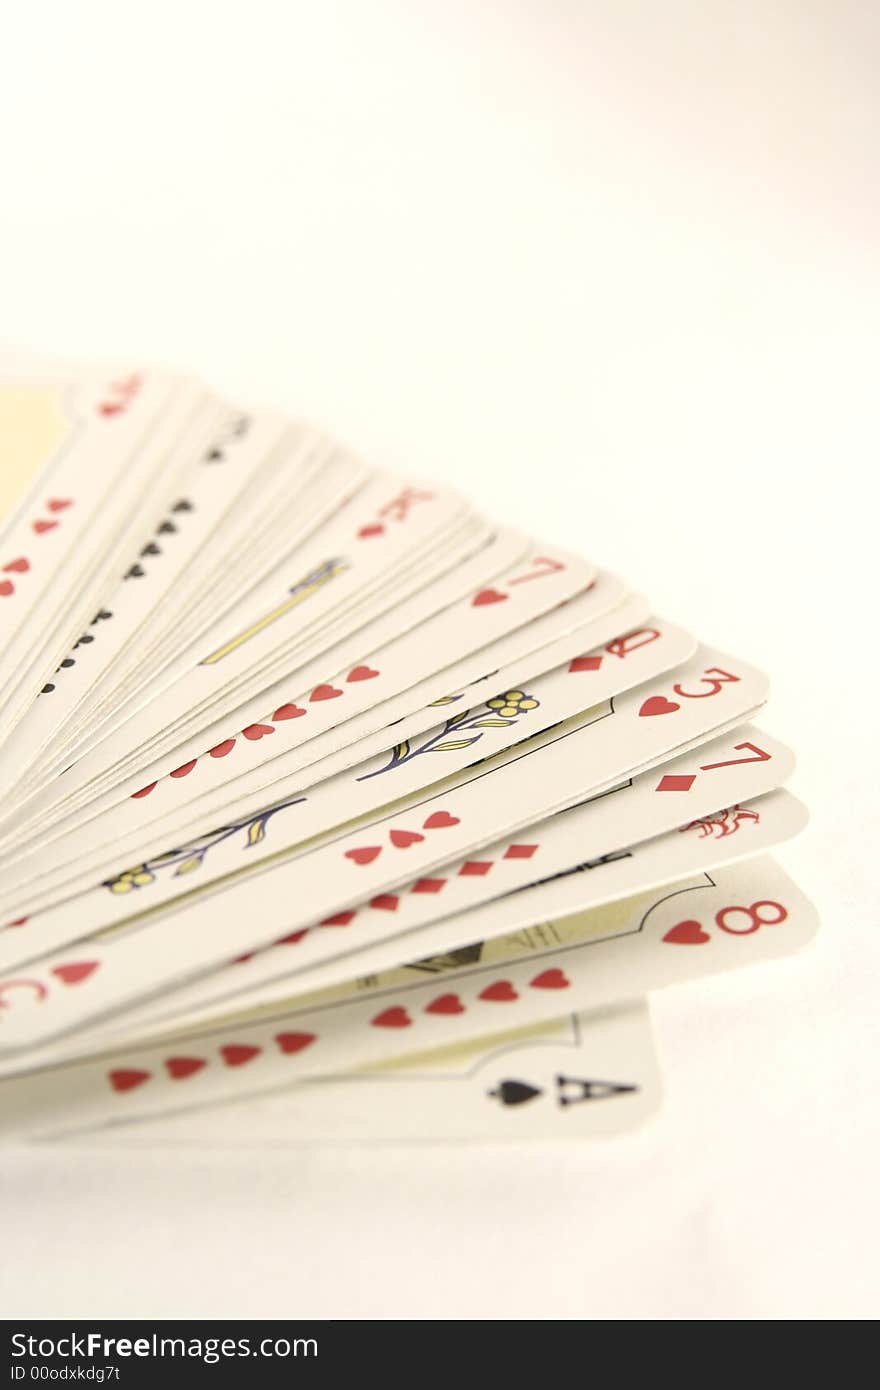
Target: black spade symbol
167, 528
136, 572
515, 1092
182, 506
151, 549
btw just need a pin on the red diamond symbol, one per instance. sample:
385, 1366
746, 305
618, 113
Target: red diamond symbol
428, 885
475, 867
672, 782
586, 663
519, 851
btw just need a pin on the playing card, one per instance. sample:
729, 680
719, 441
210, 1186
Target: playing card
45, 809
497, 549
333, 580
505, 886
96, 469
581, 1076
713, 922
546, 774
357, 687
56, 422
703, 844
206, 494
305, 480
496, 723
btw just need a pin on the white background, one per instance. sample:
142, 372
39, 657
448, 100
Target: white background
611, 266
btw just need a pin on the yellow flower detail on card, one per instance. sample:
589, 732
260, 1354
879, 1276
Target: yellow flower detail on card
512, 703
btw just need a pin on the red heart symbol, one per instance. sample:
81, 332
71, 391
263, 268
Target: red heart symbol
687, 933
487, 596
365, 855
19, 922
339, 919
6, 587
586, 663
127, 1078
388, 901
551, 979
179, 1067
19, 566
255, 731
144, 791
111, 408
439, 820
41, 526
57, 504
294, 1042
395, 1017
376, 529
221, 749
288, 712
361, 673
658, 704
404, 838
292, 938
501, 992
324, 692
445, 1004
185, 769
72, 974
236, 1054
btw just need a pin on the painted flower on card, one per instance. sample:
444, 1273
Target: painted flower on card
190, 857
498, 713
138, 877
512, 703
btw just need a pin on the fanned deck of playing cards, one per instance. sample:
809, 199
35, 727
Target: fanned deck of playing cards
334, 810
